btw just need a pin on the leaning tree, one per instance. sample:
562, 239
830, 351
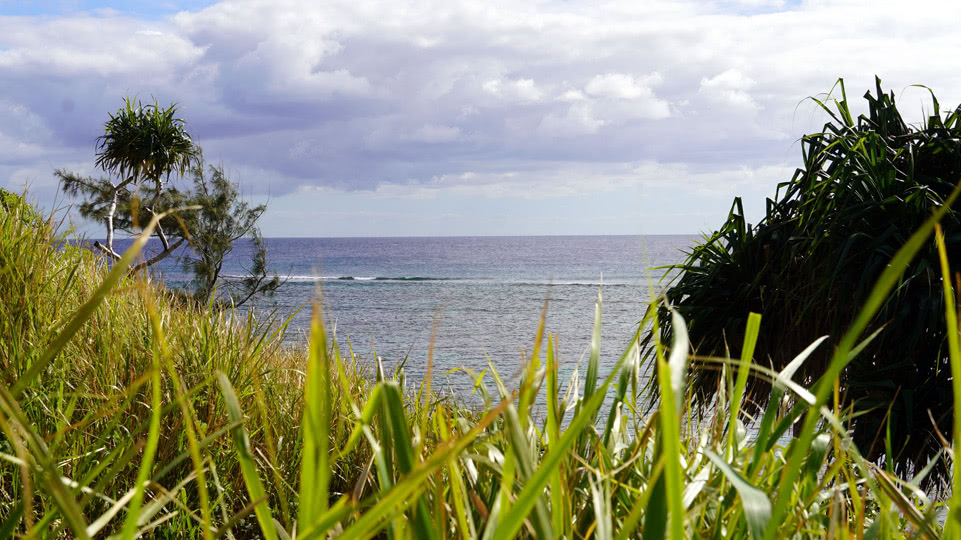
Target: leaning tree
866, 184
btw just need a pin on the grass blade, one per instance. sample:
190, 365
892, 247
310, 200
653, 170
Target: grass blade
513, 520
393, 409
757, 507
952, 523
315, 428
747, 356
248, 466
87, 310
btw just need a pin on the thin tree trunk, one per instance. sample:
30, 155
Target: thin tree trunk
160, 230
111, 210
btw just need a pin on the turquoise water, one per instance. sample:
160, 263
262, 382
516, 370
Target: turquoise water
485, 294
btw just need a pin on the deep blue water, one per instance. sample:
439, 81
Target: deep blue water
486, 294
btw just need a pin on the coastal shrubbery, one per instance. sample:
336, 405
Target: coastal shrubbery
85, 351
124, 412
865, 186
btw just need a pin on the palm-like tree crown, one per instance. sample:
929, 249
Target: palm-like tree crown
145, 142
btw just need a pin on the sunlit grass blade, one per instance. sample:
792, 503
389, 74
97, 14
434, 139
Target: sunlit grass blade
774, 403
670, 376
45, 466
747, 356
756, 505
590, 378
513, 520
532, 374
399, 496
150, 448
625, 379
87, 310
393, 409
952, 525
656, 510
553, 431
248, 466
461, 502
371, 407
315, 428
601, 499
525, 463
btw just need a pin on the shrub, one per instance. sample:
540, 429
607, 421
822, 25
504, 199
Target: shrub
808, 266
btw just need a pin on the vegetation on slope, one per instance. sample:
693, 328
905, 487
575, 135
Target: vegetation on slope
90, 406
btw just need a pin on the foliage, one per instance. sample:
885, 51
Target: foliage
247, 438
809, 266
11, 202
145, 142
97, 200
224, 218
143, 145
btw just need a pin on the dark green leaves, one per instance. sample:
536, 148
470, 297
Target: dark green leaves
864, 186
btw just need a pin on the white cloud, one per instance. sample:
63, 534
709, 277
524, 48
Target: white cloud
87, 45
572, 95
731, 88
355, 95
522, 90
623, 86
577, 120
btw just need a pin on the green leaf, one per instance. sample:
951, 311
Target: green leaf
248, 466
757, 507
315, 428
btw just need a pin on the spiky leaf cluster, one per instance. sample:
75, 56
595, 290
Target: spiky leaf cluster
145, 142
865, 186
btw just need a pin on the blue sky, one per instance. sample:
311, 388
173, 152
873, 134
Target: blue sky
147, 9
466, 117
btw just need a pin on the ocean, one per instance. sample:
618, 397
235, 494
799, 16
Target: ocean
484, 294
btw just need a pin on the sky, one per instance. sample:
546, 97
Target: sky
473, 117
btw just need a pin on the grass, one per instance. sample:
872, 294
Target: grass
126, 413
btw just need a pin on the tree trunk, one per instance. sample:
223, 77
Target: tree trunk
111, 210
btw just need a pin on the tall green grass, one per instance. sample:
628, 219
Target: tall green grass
126, 413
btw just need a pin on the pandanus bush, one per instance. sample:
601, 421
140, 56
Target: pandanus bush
866, 184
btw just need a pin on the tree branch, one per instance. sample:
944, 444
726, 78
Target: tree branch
157, 258
253, 290
107, 251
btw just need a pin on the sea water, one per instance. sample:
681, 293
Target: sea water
480, 298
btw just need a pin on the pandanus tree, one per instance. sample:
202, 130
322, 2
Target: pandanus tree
866, 184
142, 145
